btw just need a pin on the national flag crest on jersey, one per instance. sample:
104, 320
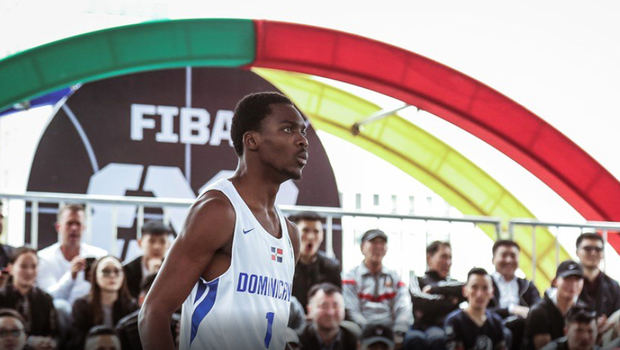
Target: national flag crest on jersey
276, 254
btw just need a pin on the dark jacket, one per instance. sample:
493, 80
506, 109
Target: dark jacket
133, 274
309, 340
606, 297
83, 317
127, 330
323, 269
6, 252
528, 296
430, 309
41, 318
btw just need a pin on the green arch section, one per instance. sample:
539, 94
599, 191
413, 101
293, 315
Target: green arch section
421, 155
123, 50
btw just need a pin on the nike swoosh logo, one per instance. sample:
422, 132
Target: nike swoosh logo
246, 231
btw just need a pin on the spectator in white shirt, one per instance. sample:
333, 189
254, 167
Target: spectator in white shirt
62, 265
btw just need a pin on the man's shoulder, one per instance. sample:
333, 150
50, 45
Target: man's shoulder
135, 263
91, 250
455, 316
609, 280
49, 252
327, 262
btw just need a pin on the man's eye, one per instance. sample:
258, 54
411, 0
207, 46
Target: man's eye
287, 129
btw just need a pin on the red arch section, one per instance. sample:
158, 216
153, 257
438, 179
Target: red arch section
451, 95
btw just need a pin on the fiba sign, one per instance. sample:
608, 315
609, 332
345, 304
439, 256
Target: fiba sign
157, 134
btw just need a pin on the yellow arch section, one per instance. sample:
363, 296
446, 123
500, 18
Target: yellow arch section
421, 155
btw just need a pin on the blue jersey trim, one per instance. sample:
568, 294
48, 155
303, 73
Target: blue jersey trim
201, 311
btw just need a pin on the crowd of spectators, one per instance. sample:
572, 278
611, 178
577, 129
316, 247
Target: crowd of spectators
71, 295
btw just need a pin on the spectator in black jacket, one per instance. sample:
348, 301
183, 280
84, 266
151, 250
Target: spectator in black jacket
107, 302
5, 256
512, 296
154, 242
12, 330
580, 330
600, 292
313, 266
32, 303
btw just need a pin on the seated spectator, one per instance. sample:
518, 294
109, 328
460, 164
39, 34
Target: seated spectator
545, 321
433, 297
375, 294
102, 338
600, 292
313, 266
475, 327
33, 304
377, 337
12, 331
5, 256
107, 302
154, 243
127, 327
512, 296
580, 331
325, 313
61, 265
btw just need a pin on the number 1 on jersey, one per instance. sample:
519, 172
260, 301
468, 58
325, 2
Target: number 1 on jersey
269, 317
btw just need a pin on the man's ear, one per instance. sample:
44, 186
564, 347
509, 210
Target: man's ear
251, 140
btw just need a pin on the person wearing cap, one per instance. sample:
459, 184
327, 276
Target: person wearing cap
6, 252
476, 327
326, 314
377, 337
545, 321
314, 266
375, 294
580, 331
600, 292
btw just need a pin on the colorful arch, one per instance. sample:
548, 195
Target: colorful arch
504, 124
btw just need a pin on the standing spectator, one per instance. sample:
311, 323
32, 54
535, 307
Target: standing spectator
33, 304
374, 294
512, 296
545, 321
61, 265
475, 327
102, 338
5, 256
377, 337
580, 330
600, 292
12, 331
107, 302
313, 266
326, 312
154, 243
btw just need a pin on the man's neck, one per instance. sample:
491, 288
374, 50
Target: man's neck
507, 278
328, 336
373, 267
478, 315
591, 273
308, 259
255, 187
69, 251
564, 304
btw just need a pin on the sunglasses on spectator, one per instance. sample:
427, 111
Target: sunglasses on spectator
108, 272
590, 248
10, 332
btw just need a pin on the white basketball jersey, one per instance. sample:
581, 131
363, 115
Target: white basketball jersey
247, 307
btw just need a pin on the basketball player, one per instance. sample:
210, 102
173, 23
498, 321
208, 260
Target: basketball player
233, 263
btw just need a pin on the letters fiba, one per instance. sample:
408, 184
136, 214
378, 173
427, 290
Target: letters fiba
194, 124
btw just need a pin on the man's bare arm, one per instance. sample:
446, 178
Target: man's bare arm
293, 232
209, 227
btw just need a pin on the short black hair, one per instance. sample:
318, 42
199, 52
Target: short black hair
326, 287
580, 314
477, 271
504, 243
6, 312
21, 251
155, 228
148, 282
434, 247
588, 235
305, 215
101, 330
250, 112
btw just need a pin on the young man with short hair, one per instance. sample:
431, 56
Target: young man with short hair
237, 295
102, 338
314, 266
154, 242
475, 327
12, 330
580, 331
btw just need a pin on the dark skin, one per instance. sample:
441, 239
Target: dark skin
272, 155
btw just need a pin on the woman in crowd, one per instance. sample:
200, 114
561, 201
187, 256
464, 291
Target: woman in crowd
32, 303
107, 302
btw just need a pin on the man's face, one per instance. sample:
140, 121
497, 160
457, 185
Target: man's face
590, 252
441, 261
70, 227
478, 290
103, 342
311, 236
506, 260
281, 141
374, 250
569, 287
154, 246
326, 311
581, 336
12, 334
